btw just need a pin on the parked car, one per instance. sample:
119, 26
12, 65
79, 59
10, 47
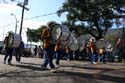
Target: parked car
28, 50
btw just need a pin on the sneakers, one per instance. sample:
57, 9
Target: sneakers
9, 63
53, 70
94, 63
68, 60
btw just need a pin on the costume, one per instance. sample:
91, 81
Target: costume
47, 47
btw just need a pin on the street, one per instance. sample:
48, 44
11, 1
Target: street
30, 71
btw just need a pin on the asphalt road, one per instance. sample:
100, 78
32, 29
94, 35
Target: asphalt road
30, 71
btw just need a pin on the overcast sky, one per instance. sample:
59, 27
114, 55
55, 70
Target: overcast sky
36, 8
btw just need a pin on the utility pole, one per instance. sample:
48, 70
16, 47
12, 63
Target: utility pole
123, 32
23, 8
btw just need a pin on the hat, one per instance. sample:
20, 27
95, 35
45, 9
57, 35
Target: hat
51, 23
10, 32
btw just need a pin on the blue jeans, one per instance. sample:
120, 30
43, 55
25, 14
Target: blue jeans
57, 56
93, 58
102, 58
18, 54
110, 57
9, 52
48, 55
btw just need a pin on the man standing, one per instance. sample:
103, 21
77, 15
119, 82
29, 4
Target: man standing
119, 49
35, 51
47, 47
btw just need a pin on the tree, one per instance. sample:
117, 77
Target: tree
94, 16
34, 35
112, 38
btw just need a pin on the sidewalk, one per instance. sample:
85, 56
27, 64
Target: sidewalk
29, 71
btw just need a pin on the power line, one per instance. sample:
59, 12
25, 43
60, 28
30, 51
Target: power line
40, 16
29, 18
7, 24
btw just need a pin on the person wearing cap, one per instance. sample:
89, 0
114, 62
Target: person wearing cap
47, 47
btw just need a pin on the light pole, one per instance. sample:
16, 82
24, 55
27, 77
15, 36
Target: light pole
16, 21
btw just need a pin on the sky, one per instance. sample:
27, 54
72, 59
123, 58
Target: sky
36, 8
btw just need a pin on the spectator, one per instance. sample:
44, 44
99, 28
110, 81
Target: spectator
35, 51
40, 52
110, 56
92, 48
101, 55
119, 49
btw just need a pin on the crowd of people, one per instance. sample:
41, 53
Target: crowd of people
105, 54
49, 51
38, 51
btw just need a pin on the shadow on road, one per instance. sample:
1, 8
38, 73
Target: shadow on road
29, 63
65, 74
97, 76
77, 75
37, 68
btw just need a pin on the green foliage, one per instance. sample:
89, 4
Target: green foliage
34, 35
94, 16
112, 38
